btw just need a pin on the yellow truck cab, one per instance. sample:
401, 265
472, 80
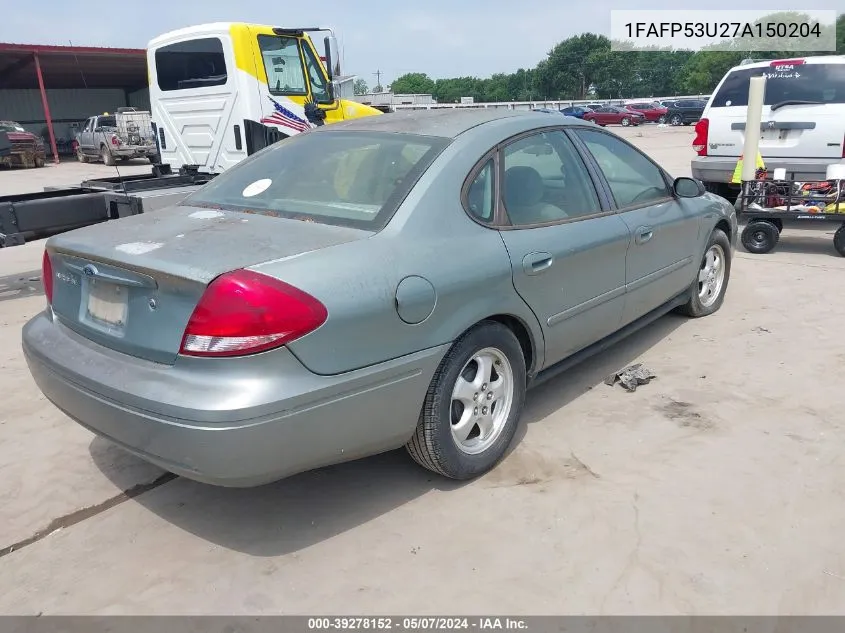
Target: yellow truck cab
221, 92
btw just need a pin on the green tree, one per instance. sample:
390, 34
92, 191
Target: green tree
413, 84
360, 87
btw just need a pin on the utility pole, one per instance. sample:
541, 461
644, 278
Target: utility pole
378, 80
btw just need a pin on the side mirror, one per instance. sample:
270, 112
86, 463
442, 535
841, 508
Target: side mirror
332, 56
688, 187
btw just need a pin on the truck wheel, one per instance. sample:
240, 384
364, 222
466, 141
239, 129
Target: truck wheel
760, 236
473, 404
108, 159
80, 156
839, 240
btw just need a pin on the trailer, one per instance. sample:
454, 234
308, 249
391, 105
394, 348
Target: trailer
38, 215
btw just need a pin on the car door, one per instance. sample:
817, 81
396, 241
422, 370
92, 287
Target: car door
662, 260
86, 140
609, 115
567, 246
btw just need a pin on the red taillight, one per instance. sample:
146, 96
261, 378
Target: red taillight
114, 140
786, 62
699, 143
47, 277
245, 312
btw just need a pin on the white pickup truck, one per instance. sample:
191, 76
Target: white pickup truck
126, 134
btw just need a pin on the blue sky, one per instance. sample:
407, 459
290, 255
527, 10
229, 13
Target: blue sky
442, 38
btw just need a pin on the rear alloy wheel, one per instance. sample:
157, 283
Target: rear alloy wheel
625, 121
708, 290
473, 405
676, 119
760, 236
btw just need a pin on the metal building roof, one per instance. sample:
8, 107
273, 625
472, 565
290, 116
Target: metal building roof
72, 66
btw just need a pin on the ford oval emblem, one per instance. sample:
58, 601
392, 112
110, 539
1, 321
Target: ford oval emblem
90, 270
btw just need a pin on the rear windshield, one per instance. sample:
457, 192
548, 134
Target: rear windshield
107, 121
824, 83
344, 178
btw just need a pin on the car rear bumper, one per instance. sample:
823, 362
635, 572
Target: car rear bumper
234, 422
134, 151
721, 168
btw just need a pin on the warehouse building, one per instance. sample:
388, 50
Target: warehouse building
50, 90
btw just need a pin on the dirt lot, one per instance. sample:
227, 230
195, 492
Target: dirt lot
717, 488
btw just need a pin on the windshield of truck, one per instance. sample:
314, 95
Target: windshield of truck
346, 178
10, 126
820, 83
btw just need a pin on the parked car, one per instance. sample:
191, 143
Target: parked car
25, 149
271, 323
666, 102
651, 111
685, 111
803, 120
607, 115
593, 106
577, 111
124, 135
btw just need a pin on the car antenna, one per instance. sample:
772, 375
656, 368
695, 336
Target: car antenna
85, 83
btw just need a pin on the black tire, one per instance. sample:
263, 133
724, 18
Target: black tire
81, 156
625, 121
154, 159
662, 119
432, 445
839, 240
675, 119
107, 157
760, 236
694, 307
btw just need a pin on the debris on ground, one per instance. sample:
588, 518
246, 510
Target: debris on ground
631, 377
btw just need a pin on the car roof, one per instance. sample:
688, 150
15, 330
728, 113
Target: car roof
443, 122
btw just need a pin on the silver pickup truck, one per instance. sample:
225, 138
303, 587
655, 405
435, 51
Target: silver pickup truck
126, 134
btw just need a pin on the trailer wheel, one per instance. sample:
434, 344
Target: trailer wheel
760, 236
839, 240
108, 159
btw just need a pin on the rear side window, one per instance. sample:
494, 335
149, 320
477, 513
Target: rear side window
352, 179
193, 64
824, 83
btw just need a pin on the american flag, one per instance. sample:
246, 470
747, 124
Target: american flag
284, 117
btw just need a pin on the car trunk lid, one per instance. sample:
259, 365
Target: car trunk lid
132, 285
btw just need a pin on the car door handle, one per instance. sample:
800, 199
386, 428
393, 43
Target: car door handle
536, 263
644, 234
